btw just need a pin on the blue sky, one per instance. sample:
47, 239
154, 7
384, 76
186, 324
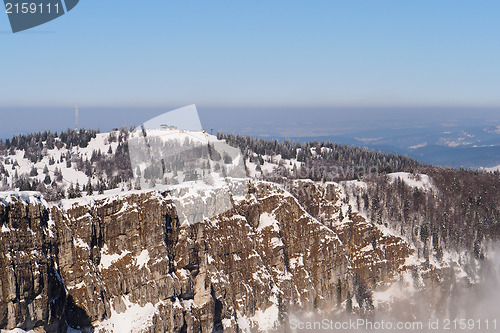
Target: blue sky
257, 53
123, 63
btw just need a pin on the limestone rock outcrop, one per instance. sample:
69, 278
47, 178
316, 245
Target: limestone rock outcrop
127, 262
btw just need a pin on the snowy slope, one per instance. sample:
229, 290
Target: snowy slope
70, 175
419, 181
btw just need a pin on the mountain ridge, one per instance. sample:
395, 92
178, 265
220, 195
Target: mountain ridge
292, 242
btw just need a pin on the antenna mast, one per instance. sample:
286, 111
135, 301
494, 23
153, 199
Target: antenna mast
76, 117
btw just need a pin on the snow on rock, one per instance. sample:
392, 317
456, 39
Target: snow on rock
268, 319
244, 323
28, 197
296, 262
80, 243
276, 242
394, 291
109, 259
143, 259
77, 286
134, 319
267, 220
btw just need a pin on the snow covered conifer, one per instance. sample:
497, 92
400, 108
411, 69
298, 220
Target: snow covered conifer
90, 190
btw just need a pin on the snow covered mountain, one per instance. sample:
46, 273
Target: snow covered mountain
236, 254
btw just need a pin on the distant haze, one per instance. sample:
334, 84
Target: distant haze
255, 121
468, 137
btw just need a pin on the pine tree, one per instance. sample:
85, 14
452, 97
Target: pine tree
4, 182
93, 158
33, 172
71, 191
90, 190
348, 303
339, 292
58, 174
227, 159
101, 187
78, 191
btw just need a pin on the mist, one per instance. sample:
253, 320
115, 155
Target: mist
448, 306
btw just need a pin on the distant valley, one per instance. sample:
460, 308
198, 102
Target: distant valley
455, 137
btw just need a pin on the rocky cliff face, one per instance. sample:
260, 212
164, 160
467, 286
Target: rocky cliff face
125, 262
32, 292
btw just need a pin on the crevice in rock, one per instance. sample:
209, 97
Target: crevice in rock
184, 327
56, 295
218, 327
169, 239
44, 218
75, 316
17, 300
27, 216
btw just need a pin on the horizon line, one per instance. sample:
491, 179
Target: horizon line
224, 106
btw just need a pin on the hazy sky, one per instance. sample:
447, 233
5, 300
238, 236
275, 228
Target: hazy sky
256, 121
256, 53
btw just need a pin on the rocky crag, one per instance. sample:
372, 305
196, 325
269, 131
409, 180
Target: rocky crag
125, 263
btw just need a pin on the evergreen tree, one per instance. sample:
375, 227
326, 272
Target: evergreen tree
90, 190
101, 187
33, 172
348, 303
78, 191
71, 191
227, 159
339, 292
58, 175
